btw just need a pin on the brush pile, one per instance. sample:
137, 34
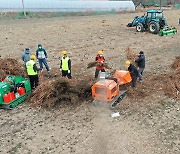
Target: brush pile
130, 55
10, 66
176, 63
168, 83
58, 91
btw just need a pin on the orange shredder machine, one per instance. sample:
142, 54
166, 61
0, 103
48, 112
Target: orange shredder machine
107, 90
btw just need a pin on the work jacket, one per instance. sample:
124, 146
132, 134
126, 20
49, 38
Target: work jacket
26, 56
31, 67
141, 61
100, 59
133, 71
41, 53
65, 64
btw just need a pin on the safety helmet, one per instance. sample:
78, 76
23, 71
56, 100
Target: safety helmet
127, 62
64, 52
32, 57
100, 52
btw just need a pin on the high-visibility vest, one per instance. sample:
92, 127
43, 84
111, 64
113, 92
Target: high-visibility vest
65, 66
29, 66
100, 59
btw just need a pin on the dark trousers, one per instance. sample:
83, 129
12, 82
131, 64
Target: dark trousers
43, 61
134, 80
34, 80
140, 70
97, 72
65, 73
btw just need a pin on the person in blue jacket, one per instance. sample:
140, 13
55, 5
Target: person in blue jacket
26, 56
141, 65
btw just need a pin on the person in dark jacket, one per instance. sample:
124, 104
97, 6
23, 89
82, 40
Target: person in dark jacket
41, 55
141, 65
99, 58
32, 71
133, 72
26, 56
65, 65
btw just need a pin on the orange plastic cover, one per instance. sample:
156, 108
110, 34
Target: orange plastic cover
122, 76
105, 90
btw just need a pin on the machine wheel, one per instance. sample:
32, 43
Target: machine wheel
139, 27
153, 27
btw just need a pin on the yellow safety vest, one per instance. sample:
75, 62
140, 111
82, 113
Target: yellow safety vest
29, 66
65, 64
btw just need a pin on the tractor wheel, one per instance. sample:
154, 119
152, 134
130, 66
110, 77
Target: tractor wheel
139, 27
153, 27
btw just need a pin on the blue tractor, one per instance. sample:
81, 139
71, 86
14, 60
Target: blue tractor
153, 21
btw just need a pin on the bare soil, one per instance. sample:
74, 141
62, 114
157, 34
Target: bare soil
149, 119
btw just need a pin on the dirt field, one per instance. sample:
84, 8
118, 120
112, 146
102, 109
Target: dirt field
146, 125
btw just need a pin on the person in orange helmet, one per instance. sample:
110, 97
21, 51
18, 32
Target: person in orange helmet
99, 58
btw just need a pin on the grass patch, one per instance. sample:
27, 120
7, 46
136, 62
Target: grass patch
21, 15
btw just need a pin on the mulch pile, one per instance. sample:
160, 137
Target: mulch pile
10, 66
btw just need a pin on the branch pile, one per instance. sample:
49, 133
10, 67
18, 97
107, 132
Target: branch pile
10, 66
169, 83
130, 55
59, 91
94, 64
176, 63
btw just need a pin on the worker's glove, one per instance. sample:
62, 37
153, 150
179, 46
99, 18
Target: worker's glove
60, 70
69, 71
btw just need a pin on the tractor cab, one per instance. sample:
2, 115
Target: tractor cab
156, 16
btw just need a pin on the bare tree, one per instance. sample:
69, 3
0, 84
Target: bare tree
23, 8
160, 4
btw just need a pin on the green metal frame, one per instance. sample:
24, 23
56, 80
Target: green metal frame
167, 32
20, 99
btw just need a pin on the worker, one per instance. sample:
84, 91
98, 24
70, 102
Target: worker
41, 54
141, 65
99, 58
133, 72
65, 65
26, 56
32, 71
